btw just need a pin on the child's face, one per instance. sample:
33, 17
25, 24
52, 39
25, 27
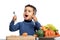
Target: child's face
28, 13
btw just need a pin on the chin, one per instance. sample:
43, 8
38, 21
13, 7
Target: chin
26, 19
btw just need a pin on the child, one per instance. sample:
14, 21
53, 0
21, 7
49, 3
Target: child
27, 26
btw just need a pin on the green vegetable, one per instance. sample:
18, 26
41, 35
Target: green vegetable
40, 33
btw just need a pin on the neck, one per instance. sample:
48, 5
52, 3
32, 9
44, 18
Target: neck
27, 20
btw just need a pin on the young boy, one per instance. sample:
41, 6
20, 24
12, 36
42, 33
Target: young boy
27, 25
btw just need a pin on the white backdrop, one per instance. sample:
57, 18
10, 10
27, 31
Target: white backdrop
47, 12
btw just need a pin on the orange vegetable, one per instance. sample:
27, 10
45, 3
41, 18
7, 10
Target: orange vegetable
24, 34
49, 33
43, 28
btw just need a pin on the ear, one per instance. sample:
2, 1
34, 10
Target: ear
33, 16
34, 13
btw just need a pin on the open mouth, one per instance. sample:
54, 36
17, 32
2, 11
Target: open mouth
26, 15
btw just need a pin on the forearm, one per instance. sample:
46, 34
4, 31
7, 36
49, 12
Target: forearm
37, 25
13, 27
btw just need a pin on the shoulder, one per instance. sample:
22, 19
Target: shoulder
21, 22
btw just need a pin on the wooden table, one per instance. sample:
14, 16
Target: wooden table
31, 38
20, 38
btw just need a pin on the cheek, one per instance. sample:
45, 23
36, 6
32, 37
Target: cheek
30, 16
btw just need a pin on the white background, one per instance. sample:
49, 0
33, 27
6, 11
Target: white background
47, 12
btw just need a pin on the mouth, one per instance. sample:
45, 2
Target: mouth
26, 15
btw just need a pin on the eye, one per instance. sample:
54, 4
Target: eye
29, 11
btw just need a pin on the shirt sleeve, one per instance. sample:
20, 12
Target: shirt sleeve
13, 27
37, 25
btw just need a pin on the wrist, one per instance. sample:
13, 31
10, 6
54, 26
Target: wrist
13, 20
35, 20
